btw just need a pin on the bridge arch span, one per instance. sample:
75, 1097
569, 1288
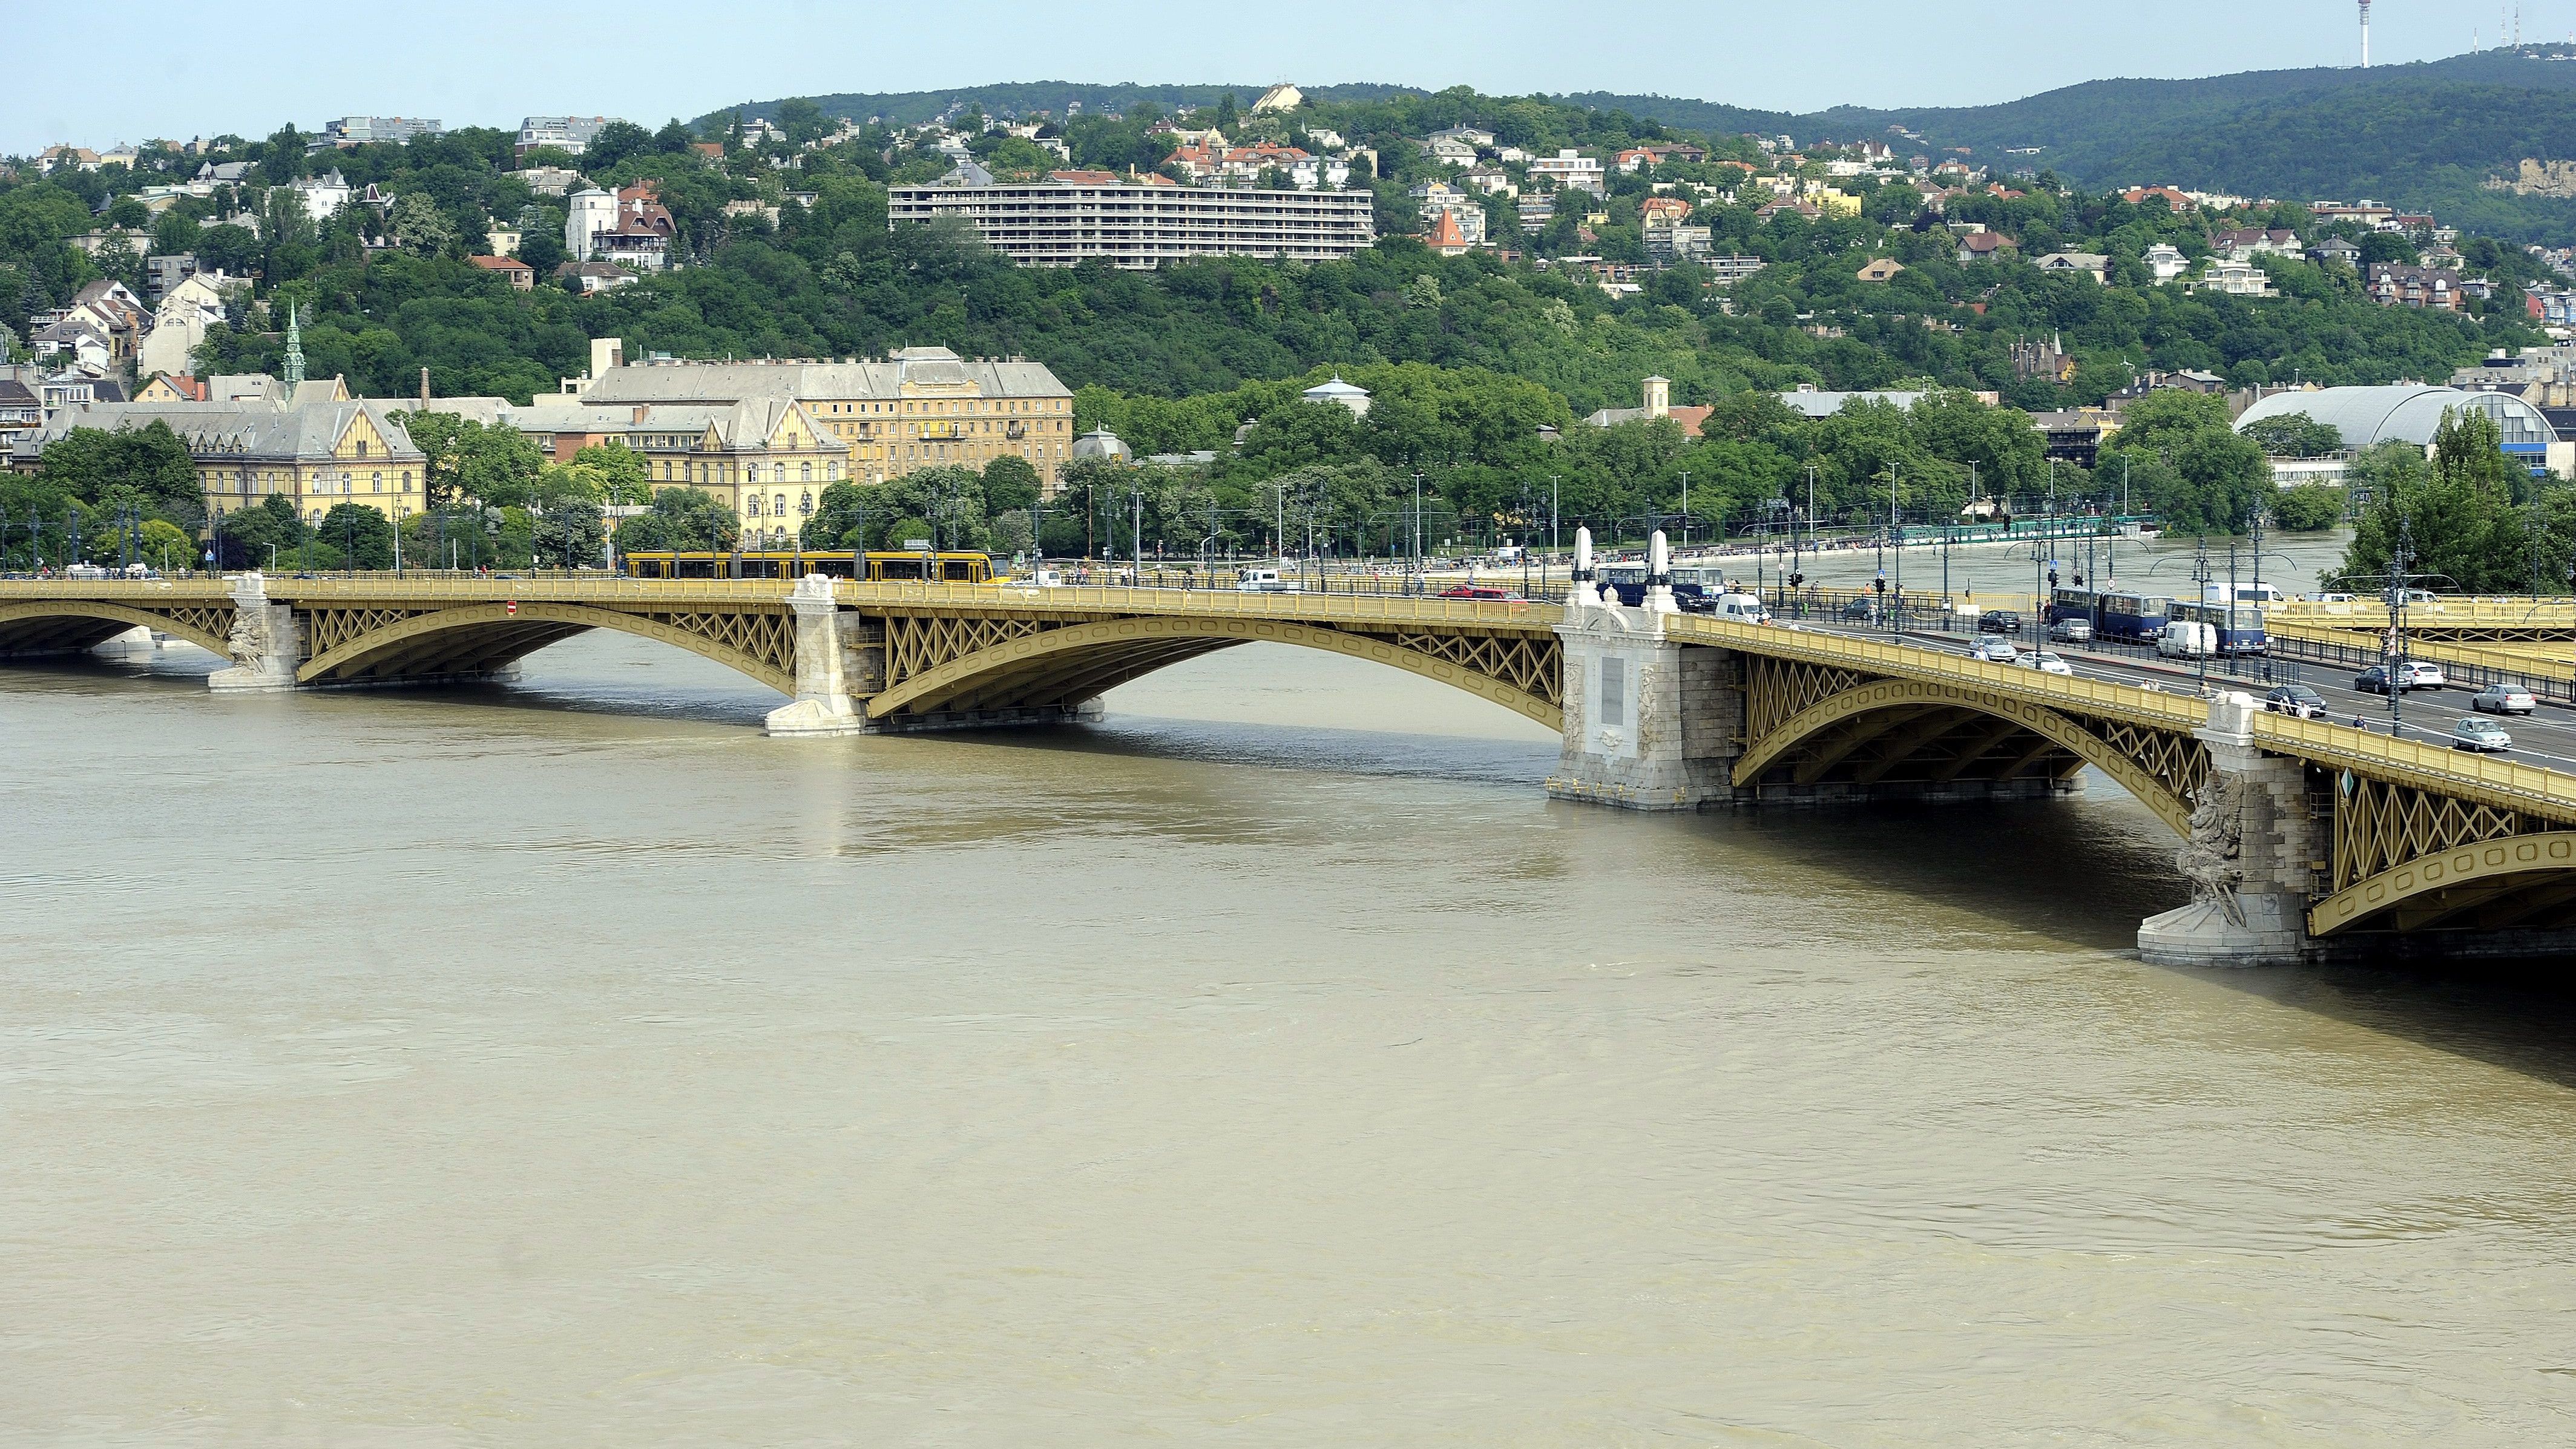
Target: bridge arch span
1064, 666
2512, 882
484, 637
1888, 730
72, 624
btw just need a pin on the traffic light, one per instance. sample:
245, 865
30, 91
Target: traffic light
2052, 578
1880, 585
2079, 581
1797, 580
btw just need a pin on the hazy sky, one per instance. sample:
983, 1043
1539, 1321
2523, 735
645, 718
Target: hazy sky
186, 69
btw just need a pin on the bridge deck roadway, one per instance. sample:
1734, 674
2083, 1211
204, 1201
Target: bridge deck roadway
2530, 777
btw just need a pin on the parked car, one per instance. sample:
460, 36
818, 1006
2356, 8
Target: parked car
1468, 591
2043, 660
2484, 736
2297, 701
2071, 631
1999, 621
2503, 699
2410, 676
2330, 598
1995, 651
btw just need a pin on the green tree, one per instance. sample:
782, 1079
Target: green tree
1010, 482
247, 535
363, 537
622, 473
616, 142
569, 533
2456, 519
2308, 508
495, 466
2205, 477
421, 226
2295, 435
691, 520
543, 251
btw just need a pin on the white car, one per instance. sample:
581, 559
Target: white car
2484, 736
2045, 661
2503, 699
2416, 674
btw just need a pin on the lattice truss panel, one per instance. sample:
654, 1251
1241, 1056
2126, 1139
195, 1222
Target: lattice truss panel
2177, 761
328, 629
1534, 665
764, 638
214, 619
916, 644
1776, 689
2379, 826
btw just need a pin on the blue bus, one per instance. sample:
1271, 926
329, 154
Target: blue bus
1695, 590
2240, 627
2129, 618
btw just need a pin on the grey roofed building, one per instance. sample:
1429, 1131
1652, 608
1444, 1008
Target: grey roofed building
1819, 404
250, 430
725, 382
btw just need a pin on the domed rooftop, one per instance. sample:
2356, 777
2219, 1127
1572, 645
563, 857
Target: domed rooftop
1102, 443
2407, 412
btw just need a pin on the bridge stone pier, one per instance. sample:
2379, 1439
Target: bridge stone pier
822, 705
2251, 857
265, 643
1650, 724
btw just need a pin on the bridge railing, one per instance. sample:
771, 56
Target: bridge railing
2058, 691
2547, 679
607, 588
1223, 603
199, 588
2437, 767
2448, 610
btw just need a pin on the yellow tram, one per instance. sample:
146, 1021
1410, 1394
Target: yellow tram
950, 567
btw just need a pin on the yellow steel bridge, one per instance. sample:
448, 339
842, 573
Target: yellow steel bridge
2360, 835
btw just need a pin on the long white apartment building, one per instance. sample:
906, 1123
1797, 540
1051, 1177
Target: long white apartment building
1097, 217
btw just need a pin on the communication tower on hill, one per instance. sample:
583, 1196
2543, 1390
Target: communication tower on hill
2365, 34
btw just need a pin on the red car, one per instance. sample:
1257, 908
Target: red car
1473, 591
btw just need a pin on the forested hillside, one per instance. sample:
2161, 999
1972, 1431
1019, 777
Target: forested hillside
2422, 135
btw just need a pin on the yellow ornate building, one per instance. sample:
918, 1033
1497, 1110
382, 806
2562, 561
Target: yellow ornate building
317, 454
918, 408
767, 458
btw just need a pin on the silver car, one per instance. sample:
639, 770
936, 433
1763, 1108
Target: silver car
1995, 651
2503, 699
2484, 736
2045, 661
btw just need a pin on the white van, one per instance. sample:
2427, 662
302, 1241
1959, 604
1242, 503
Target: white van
2260, 595
2186, 639
1265, 581
1742, 608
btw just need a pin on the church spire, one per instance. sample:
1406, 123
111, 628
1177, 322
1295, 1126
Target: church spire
294, 351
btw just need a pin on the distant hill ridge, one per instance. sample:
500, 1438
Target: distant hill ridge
2428, 134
